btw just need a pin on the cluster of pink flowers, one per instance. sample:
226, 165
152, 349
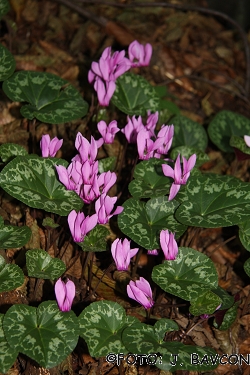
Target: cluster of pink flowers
104, 73
136, 132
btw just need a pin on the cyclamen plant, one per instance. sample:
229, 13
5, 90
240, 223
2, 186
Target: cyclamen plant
167, 197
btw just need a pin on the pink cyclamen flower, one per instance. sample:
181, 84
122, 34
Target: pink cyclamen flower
87, 151
152, 120
103, 207
80, 225
65, 293
139, 55
164, 139
168, 244
105, 91
145, 145
247, 140
108, 132
122, 253
141, 291
105, 181
109, 67
50, 147
180, 177
132, 128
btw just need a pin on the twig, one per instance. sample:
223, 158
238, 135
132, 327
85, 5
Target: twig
103, 21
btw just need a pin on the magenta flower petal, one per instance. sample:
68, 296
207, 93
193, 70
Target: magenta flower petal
173, 191
140, 291
65, 293
247, 140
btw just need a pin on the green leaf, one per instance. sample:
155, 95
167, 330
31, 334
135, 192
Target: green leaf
244, 234
4, 7
142, 222
7, 61
224, 125
41, 265
33, 180
134, 95
149, 180
214, 201
96, 240
228, 319
227, 300
144, 339
240, 144
187, 151
7, 354
188, 133
205, 303
106, 164
10, 150
13, 237
162, 326
45, 334
247, 267
101, 325
51, 99
189, 275
49, 222
11, 276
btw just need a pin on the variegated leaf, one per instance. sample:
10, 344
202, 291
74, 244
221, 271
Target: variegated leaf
8, 354
45, 334
33, 180
10, 150
188, 133
51, 99
214, 201
134, 95
11, 276
149, 180
7, 61
13, 237
224, 125
189, 275
101, 325
205, 303
41, 265
142, 222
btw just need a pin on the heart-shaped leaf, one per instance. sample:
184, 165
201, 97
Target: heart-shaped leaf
189, 275
33, 180
227, 300
247, 267
7, 353
45, 334
214, 201
205, 303
10, 150
4, 7
96, 240
7, 61
106, 164
142, 222
13, 237
51, 99
149, 180
188, 133
187, 151
41, 265
240, 144
228, 318
101, 325
244, 234
224, 125
162, 326
134, 95
11, 276
143, 339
